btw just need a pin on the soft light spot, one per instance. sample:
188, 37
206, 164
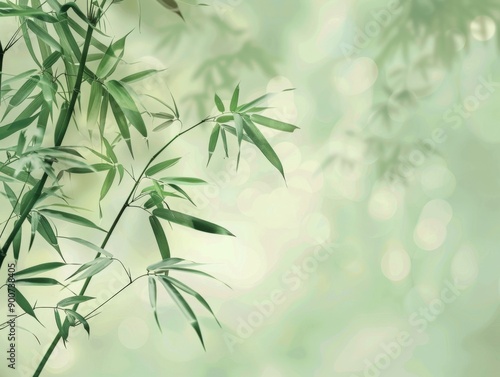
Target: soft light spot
396, 264
430, 234
383, 204
355, 78
483, 28
464, 267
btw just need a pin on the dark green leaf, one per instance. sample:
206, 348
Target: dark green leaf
44, 36
172, 6
108, 182
161, 239
191, 222
212, 144
161, 166
24, 304
78, 317
74, 300
140, 75
38, 281
234, 99
70, 217
16, 126
40, 268
272, 123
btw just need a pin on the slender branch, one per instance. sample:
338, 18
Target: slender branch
41, 183
57, 338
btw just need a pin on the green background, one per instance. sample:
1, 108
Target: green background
392, 196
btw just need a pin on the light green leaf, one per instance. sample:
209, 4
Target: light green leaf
183, 306
191, 222
219, 104
212, 144
153, 298
112, 57
94, 103
108, 182
139, 75
155, 169
45, 230
183, 181
272, 123
74, 300
234, 99
78, 317
224, 141
172, 6
123, 98
90, 245
91, 268
60, 125
44, 35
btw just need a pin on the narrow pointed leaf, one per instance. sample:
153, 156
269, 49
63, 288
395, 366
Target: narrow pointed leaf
80, 318
44, 36
44, 267
191, 222
90, 245
161, 239
219, 104
161, 166
272, 123
74, 300
234, 99
123, 98
70, 217
24, 304
212, 144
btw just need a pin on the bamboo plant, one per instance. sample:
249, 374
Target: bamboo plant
74, 63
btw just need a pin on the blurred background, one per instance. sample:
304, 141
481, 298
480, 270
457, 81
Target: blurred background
379, 256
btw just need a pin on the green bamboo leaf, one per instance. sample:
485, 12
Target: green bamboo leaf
24, 304
122, 123
163, 125
123, 98
184, 268
91, 169
44, 35
94, 103
16, 243
225, 118
232, 131
182, 192
91, 268
191, 222
16, 126
273, 123
9, 10
234, 99
112, 56
172, 6
49, 89
109, 151
153, 298
44, 267
193, 293
35, 219
219, 104
183, 181
38, 281
264, 146
103, 115
45, 230
78, 317
60, 125
140, 75
224, 141
183, 306
90, 245
74, 300
11, 195
20, 176
165, 264
70, 217
212, 144
108, 182
63, 328
161, 239
51, 60
238, 123
252, 104
161, 166
23, 92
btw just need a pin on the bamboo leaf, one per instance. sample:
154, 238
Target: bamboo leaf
70, 217
219, 103
140, 75
74, 300
24, 304
193, 293
78, 317
172, 6
161, 239
44, 267
94, 103
191, 222
91, 268
264, 146
16, 243
38, 281
45, 230
16, 126
90, 169
123, 98
108, 182
212, 144
90, 245
234, 99
112, 56
273, 123
183, 306
122, 123
153, 298
224, 141
183, 181
60, 125
182, 192
44, 36
155, 169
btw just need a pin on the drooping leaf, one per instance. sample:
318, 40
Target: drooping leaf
16, 126
112, 57
183, 306
78, 317
224, 141
212, 144
70, 217
23, 92
140, 75
153, 298
160, 237
63, 328
60, 125
273, 123
90, 245
45, 230
38, 281
260, 141
24, 304
44, 36
172, 6
125, 101
193, 293
108, 182
94, 103
91, 268
16, 243
191, 222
